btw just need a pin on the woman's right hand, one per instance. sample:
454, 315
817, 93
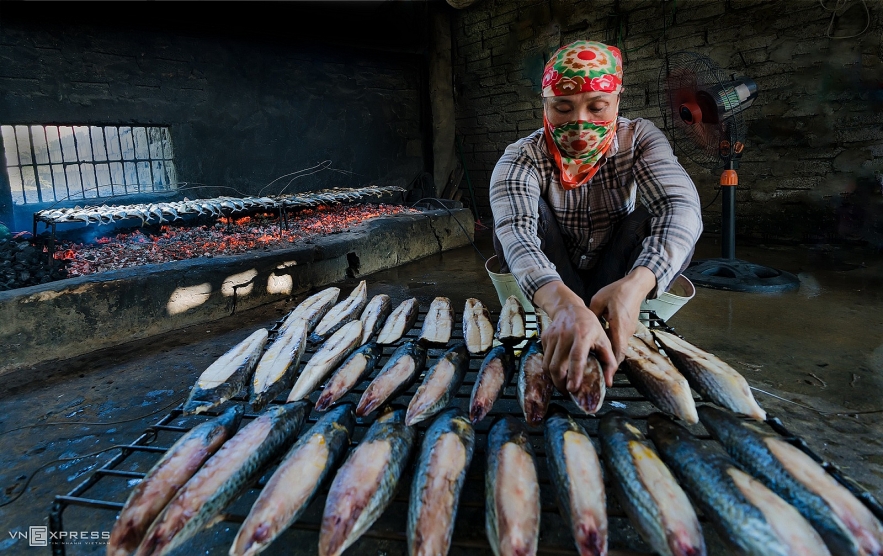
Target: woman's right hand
574, 333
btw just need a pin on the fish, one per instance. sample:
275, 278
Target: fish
343, 313
166, 477
224, 378
576, 474
647, 491
654, 376
332, 352
592, 390
374, 315
400, 371
399, 322
748, 516
847, 526
439, 322
534, 384
512, 324
512, 490
543, 321
366, 482
438, 480
296, 481
357, 367
312, 309
477, 328
711, 377
227, 473
276, 369
440, 385
494, 374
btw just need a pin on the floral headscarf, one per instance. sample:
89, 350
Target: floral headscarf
577, 147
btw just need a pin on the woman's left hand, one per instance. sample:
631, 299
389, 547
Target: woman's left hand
620, 303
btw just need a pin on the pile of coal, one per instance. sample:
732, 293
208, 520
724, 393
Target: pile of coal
23, 263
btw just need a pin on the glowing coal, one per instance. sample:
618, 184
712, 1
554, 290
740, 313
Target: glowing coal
229, 236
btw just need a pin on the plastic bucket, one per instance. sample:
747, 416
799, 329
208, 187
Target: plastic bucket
670, 302
506, 285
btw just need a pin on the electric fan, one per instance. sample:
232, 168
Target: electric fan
702, 112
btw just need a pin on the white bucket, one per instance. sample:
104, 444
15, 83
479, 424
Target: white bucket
506, 285
670, 302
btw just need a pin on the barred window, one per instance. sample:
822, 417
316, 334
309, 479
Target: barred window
51, 163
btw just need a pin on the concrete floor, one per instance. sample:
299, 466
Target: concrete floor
818, 352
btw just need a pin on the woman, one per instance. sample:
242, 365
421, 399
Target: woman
567, 224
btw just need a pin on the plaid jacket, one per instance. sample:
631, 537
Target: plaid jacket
640, 160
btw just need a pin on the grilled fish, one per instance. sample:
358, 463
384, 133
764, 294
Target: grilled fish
711, 377
355, 369
402, 369
576, 474
169, 474
366, 482
296, 481
374, 316
439, 322
654, 502
477, 328
276, 369
344, 312
223, 477
332, 352
312, 309
439, 477
494, 374
534, 384
399, 322
512, 324
543, 321
592, 390
846, 525
747, 515
439, 385
512, 490
224, 378
653, 375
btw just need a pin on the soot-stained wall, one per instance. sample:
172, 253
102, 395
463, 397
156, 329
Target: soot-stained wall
813, 166
253, 93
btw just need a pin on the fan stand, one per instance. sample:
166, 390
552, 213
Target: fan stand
728, 272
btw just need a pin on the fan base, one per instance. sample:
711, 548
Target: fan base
740, 276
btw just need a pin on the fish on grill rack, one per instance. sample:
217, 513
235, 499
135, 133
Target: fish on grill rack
312, 309
439, 322
333, 351
748, 516
711, 377
440, 385
296, 481
399, 373
576, 473
590, 395
493, 376
534, 384
277, 367
374, 315
438, 480
224, 378
654, 376
847, 526
512, 490
512, 324
654, 502
161, 483
227, 473
344, 312
478, 332
366, 483
358, 367
399, 322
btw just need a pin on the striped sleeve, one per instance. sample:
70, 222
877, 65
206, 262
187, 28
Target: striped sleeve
514, 197
670, 196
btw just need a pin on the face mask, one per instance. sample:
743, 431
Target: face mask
577, 147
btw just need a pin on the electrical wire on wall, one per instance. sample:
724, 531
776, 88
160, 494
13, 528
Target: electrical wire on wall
838, 7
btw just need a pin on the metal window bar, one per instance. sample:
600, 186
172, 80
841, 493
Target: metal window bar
156, 154
621, 396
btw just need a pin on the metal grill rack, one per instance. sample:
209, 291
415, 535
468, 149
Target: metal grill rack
116, 478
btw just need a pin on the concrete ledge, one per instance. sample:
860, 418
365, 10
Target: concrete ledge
72, 317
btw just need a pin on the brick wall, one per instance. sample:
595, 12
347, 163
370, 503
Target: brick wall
250, 95
813, 165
